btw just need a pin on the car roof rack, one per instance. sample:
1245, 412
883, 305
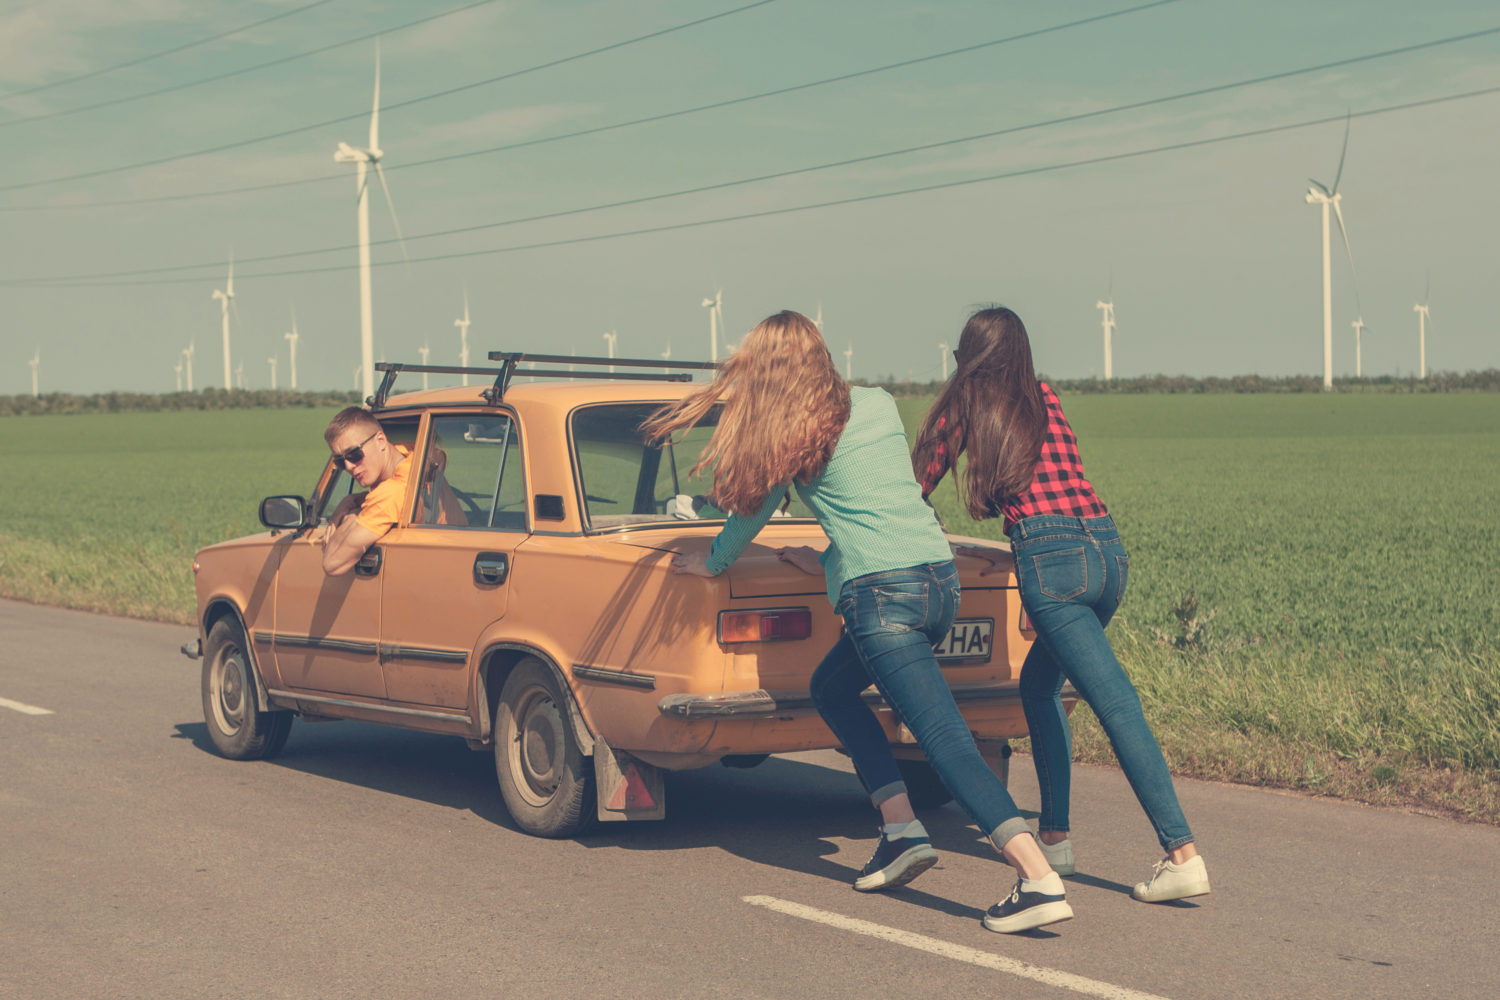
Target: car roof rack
510, 361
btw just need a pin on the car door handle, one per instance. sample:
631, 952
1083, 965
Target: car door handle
490, 568
369, 563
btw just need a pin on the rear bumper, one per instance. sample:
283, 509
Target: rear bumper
762, 704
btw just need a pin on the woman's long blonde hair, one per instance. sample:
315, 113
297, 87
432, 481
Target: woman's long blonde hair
785, 407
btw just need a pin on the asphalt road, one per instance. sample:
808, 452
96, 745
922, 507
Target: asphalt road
366, 862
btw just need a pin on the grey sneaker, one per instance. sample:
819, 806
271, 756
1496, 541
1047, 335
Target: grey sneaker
1169, 881
1059, 855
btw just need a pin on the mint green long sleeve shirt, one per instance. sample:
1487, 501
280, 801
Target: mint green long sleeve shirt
866, 499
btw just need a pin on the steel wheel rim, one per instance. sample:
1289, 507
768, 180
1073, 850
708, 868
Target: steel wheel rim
538, 748
228, 689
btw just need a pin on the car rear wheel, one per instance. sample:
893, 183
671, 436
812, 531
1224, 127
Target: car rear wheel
236, 725
545, 780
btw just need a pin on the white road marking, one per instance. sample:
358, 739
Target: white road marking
957, 952
21, 706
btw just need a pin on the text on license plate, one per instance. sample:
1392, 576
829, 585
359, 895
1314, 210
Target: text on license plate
969, 638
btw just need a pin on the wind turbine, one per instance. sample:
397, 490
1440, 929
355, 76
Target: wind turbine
424, 350
463, 337
818, 322
291, 338
715, 307
943, 353
363, 159
187, 357
177, 370
35, 363
848, 362
1326, 196
667, 356
611, 338
239, 376
226, 297
1421, 309
1106, 309
1359, 330
272, 362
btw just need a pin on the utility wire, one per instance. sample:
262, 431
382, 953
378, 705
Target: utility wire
662, 116
853, 200
247, 69
165, 52
851, 161
241, 143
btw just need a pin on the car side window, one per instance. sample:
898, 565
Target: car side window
472, 475
402, 433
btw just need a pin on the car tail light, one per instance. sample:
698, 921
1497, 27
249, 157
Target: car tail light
196, 567
765, 625
1026, 625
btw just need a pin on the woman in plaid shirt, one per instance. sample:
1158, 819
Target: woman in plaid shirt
1071, 568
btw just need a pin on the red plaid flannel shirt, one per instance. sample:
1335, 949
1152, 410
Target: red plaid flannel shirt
1058, 487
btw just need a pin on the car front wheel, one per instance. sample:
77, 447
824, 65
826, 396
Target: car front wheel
545, 780
236, 725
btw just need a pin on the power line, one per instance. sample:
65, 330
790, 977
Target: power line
648, 119
777, 175
164, 52
247, 69
241, 143
852, 200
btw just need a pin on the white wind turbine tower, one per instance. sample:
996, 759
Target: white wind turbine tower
363, 159
1325, 196
1421, 309
36, 364
1106, 309
291, 338
463, 337
424, 350
177, 370
226, 298
818, 322
849, 362
667, 356
943, 353
239, 376
715, 307
1359, 330
187, 357
272, 362
611, 338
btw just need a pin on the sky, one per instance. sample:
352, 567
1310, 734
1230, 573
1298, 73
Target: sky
117, 217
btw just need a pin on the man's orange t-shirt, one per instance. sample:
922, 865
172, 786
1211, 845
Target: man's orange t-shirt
382, 507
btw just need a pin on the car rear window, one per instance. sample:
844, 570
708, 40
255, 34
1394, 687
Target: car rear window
627, 483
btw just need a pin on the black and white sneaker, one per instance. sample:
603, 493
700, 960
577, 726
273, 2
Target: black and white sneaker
1043, 903
897, 860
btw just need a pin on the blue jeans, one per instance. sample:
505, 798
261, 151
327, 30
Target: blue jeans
891, 620
1072, 575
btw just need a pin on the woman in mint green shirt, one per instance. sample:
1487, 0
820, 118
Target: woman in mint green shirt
790, 422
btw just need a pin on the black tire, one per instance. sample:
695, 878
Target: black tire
236, 725
925, 789
546, 782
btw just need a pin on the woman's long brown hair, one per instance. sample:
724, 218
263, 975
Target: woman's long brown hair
785, 407
992, 409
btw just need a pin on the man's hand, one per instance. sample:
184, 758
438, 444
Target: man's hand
691, 563
351, 504
804, 557
1000, 561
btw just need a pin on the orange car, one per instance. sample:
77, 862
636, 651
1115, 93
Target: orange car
524, 602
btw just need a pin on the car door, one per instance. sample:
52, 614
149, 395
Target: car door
447, 572
327, 629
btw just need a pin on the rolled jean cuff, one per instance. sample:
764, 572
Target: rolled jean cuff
1172, 845
885, 792
1002, 834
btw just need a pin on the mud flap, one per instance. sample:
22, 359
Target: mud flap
627, 789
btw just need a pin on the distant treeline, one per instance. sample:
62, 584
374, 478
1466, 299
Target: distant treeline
1487, 380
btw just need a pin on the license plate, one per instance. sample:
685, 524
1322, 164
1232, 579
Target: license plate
967, 639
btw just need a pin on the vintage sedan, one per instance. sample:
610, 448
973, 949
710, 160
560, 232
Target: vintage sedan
525, 603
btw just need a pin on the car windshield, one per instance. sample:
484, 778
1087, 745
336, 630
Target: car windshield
627, 483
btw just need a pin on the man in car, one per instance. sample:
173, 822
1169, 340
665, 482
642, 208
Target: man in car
360, 448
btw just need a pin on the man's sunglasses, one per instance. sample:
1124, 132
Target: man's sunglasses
353, 456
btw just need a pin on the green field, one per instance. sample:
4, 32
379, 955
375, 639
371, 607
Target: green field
1340, 549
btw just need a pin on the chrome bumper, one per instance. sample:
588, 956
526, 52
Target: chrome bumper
762, 704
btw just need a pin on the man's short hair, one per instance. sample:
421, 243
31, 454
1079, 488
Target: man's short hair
348, 418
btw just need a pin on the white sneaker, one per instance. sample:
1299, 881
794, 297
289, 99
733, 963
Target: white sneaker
1169, 881
1059, 855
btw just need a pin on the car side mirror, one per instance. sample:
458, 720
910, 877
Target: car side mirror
283, 512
